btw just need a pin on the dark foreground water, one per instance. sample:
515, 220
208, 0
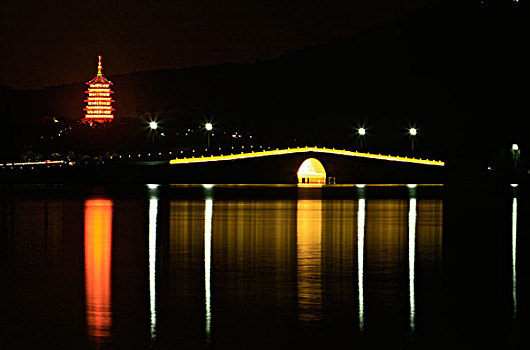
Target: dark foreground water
250, 267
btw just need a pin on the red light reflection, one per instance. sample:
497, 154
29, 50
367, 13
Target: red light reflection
98, 247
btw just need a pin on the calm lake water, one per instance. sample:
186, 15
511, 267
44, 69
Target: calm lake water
263, 267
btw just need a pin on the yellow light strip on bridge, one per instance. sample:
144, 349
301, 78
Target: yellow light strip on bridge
277, 152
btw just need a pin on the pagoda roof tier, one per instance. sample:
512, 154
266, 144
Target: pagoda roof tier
99, 99
99, 79
98, 108
99, 90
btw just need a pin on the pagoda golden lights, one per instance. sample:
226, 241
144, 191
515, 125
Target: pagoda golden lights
99, 102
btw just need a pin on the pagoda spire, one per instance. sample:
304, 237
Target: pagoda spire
100, 67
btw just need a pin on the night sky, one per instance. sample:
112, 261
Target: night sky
46, 43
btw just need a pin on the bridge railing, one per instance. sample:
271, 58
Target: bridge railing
274, 152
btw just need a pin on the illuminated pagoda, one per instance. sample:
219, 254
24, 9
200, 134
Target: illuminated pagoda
99, 102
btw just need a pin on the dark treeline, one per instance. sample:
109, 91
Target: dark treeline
456, 70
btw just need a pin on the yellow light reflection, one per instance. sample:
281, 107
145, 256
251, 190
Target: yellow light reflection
309, 258
98, 248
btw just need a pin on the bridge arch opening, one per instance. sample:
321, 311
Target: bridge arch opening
311, 171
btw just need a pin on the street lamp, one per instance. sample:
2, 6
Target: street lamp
361, 131
413, 132
209, 128
153, 126
515, 153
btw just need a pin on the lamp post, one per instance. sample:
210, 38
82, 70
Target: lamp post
208, 127
153, 126
361, 131
515, 152
413, 132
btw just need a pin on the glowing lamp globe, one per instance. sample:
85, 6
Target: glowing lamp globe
208, 126
153, 125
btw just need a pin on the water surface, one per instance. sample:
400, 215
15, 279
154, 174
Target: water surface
263, 267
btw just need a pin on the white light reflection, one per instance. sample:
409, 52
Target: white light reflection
412, 253
514, 250
208, 213
361, 217
153, 213
361, 214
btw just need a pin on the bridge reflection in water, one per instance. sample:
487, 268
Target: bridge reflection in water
292, 257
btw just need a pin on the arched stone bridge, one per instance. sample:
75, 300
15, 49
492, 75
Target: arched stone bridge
284, 166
